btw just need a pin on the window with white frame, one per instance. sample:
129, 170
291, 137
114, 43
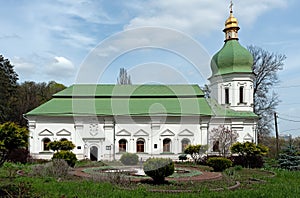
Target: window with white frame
45, 142
184, 143
122, 145
140, 145
167, 145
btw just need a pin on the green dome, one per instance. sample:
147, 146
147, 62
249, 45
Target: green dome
232, 58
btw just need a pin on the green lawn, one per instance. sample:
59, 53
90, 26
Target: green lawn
285, 184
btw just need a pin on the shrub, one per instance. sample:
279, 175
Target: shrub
182, 157
18, 155
289, 162
12, 136
255, 161
129, 159
219, 163
12, 168
195, 151
159, 168
238, 168
37, 161
20, 189
289, 158
55, 168
68, 156
250, 154
65, 145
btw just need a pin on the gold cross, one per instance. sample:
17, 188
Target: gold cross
231, 5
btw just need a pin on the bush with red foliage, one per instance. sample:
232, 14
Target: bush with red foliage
20, 155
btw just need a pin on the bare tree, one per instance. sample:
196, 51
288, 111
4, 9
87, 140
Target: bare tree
206, 90
222, 138
265, 67
124, 78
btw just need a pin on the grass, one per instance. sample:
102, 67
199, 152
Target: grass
254, 183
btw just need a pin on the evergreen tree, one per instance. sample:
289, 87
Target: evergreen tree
12, 137
289, 158
8, 84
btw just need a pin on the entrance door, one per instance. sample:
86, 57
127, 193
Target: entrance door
94, 153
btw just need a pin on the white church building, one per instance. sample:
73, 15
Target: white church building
105, 120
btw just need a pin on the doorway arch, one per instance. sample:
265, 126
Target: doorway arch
94, 153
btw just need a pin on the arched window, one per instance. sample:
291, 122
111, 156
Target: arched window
122, 145
140, 145
241, 94
226, 95
45, 144
184, 143
167, 145
216, 146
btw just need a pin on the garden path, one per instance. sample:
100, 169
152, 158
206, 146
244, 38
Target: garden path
203, 177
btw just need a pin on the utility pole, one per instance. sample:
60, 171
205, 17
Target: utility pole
276, 131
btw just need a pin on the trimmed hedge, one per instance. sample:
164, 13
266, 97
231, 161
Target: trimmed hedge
159, 168
182, 157
20, 155
248, 161
219, 164
129, 159
68, 156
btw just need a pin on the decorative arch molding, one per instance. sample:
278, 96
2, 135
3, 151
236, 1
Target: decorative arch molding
123, 132
242, 84
167, 132
63, 132
186, 132
46, 132
141, 132
226, 85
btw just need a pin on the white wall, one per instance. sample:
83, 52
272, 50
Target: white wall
86, 133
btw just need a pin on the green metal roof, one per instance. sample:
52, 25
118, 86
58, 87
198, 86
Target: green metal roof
139, 100
232, 58
221, 111
119, 106
107, 90
133, 100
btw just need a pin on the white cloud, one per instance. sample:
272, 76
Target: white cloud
92, 12
193, 17
150, 72
60, 67
140, 39
249, 11
23, 67
198, 17
70, 28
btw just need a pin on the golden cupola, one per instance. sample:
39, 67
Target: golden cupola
232, 58
231, 27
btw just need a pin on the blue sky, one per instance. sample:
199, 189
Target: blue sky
53, 40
